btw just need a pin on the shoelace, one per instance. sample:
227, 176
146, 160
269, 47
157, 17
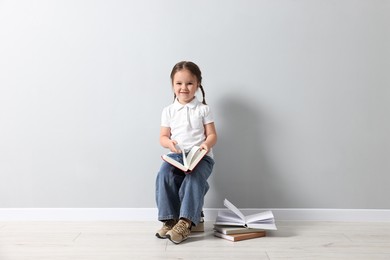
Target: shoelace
181, 228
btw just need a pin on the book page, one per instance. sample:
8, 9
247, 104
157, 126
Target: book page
262, 217
269, 226
233, 208
197, 158
185, 161
192, 154
173, 162
228, 218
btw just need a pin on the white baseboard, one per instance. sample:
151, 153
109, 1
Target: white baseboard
150, 214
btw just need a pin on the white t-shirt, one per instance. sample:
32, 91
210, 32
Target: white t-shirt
187, 122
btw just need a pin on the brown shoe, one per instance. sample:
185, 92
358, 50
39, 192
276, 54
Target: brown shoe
168, 225
179, 232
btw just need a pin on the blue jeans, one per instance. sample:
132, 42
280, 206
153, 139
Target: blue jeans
180, 195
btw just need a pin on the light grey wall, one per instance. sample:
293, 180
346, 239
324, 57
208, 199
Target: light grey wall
300, 91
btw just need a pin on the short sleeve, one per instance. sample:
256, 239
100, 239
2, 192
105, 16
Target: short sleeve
208, 116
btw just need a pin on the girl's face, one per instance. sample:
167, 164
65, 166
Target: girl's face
185, 85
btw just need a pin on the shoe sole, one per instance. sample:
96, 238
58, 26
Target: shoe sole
158, 235
176, 242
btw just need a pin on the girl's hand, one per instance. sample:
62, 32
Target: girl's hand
172, 146
204, 146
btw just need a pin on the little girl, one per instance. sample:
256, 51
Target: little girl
187, 122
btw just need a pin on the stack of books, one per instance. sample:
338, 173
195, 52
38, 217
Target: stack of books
237, 233
233, 225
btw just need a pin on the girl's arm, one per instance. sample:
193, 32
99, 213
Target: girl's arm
211, 136
165, 140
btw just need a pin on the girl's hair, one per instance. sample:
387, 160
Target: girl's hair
194, 69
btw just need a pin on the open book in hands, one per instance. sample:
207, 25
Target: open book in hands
189, 161
234, 217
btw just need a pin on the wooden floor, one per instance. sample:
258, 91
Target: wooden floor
136, 240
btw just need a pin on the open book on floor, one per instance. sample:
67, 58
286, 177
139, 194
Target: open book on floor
234, 217
189, 161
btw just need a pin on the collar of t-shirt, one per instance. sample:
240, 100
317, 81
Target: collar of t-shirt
191, 104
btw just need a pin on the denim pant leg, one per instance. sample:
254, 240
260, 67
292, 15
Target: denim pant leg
193, 189
168, 183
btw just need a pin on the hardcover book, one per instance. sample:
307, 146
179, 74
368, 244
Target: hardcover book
189, 161
235, 230
239, 237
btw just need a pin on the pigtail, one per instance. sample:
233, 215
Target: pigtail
203, 94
